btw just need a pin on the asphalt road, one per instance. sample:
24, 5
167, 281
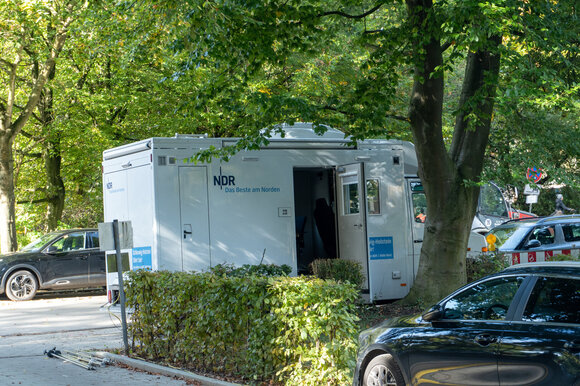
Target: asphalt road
74, 322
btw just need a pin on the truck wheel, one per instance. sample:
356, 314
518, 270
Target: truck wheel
21, 285
383, 371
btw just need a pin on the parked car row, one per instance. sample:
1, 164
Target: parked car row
537, 239
68, 259
517, 327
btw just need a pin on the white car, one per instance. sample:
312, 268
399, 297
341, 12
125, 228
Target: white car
537, 239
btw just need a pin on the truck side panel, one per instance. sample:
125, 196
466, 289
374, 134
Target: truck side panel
128, 196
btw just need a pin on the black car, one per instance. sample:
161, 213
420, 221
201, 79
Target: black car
68, 259
517, 327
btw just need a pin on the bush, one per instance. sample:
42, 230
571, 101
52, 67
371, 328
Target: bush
561, 257
316, 337
344, 271
249, 270
488, 263
293, 330
485, 264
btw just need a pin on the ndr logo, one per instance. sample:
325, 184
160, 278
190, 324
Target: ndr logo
222, 180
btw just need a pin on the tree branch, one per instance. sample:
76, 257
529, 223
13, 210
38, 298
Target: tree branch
399, 118
330, 108
374, 31
34, 201
59, 40
7, 118
472, 125
26, 134
30, 155
8, 65
344, 14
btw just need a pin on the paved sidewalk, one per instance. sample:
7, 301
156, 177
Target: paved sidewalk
163, 370
28, 329
41, 316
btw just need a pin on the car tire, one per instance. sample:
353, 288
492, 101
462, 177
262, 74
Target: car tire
21, 285
382, 371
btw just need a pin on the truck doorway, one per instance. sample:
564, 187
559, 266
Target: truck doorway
315, 215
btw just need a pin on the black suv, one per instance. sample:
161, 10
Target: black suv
517, 327
68, 259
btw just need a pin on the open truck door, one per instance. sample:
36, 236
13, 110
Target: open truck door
418, 208
352, 232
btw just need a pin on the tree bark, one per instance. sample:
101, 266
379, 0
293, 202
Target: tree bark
55, 185
448, 176
51, 155
7, 201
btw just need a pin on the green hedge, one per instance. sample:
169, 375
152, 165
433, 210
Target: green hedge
493, 262
297, 331
338, 269
564, 258
485, 264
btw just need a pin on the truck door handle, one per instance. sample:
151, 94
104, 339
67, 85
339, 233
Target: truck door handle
485, 340
187, 230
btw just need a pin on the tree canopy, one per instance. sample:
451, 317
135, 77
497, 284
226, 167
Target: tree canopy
436, 72
483, 89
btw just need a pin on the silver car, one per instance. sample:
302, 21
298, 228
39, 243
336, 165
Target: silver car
537, 239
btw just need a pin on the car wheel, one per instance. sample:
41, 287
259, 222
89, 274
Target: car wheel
21, 285
383, 370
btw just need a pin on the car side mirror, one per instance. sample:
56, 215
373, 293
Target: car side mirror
533, 244
434, 313
51, 250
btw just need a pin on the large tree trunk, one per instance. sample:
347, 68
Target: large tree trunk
55, 185
7, 201
51, 155
448, 176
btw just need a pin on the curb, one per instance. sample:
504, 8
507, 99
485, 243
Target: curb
163, 370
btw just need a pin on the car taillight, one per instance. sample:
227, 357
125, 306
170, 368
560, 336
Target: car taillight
110, 296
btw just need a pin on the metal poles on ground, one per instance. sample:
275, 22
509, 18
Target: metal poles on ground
81, 359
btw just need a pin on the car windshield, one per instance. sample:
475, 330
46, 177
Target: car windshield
510, 235
39, 243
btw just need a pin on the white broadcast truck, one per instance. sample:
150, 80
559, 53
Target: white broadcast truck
299, 198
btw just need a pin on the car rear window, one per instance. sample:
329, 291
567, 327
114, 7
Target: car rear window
554, 300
